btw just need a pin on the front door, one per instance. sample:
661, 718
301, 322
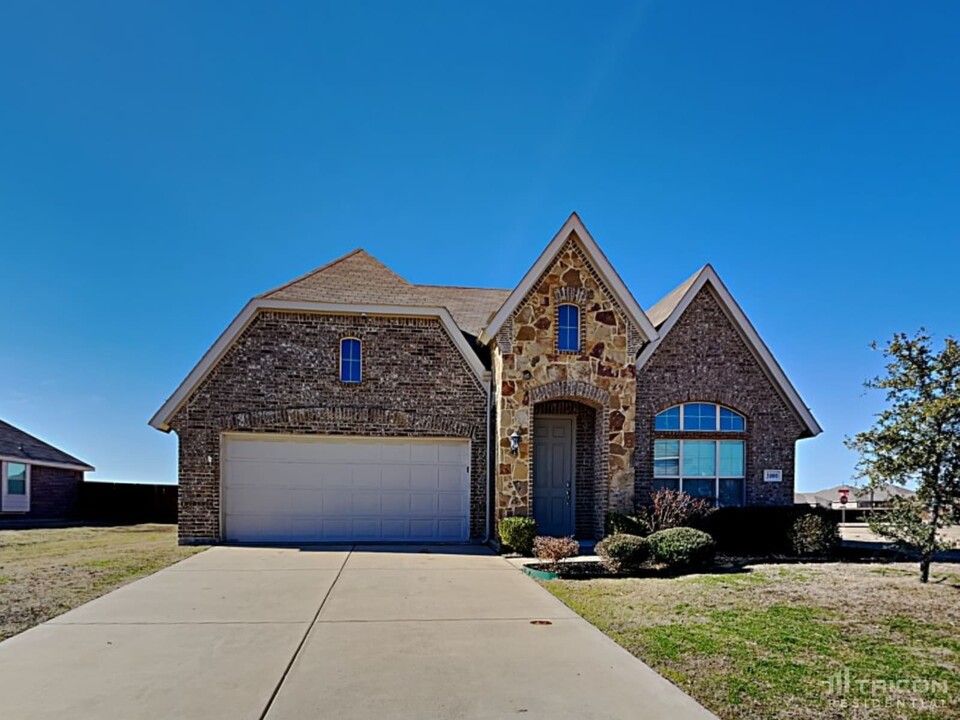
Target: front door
553, 475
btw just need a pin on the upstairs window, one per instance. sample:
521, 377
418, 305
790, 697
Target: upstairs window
350, 362
700, 417
568, 328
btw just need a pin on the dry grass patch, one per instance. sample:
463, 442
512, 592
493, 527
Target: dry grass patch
763, 643
45, 572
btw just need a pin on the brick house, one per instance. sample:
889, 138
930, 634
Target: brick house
37, 480
352, 405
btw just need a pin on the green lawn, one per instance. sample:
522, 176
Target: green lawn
764, 643
46, 572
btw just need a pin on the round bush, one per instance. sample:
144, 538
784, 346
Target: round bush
814, 535
682, 548
517, 533
620, 524
622, 553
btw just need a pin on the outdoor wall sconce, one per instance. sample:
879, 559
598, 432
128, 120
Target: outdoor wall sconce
514, 442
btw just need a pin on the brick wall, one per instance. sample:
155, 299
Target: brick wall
54, 492
282, 375
704, 358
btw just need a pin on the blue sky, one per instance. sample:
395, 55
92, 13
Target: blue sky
160, 163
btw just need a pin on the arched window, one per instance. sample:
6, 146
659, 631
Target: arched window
568, 328
713, 469
351, 370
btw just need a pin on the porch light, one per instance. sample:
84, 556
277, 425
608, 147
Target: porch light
514, 442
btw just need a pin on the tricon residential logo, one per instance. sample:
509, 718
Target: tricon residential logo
846, 690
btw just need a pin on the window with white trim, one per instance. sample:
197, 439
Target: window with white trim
710, 469
14, 487
700, 417
713, 469
351, 368
568, 328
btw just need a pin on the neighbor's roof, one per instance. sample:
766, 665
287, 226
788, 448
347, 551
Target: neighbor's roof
359, 278
832, 494
15, 444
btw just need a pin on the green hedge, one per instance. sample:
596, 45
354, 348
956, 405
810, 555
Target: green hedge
758, 530
620, 524
517, 533
682, 548
623, 553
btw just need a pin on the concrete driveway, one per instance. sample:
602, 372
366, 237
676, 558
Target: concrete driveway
363, 632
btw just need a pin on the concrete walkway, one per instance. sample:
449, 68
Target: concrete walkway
363, 632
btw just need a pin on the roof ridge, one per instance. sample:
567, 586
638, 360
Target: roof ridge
327, 266
461, 287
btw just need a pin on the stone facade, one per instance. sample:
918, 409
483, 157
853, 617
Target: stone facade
281, 375
529, 370
704, 358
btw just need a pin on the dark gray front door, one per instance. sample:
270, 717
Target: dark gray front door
553, 475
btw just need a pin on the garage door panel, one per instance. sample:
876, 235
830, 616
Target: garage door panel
424, 453
423, 504
290, 489
450, 504
424, 477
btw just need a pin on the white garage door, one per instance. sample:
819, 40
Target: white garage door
304, 488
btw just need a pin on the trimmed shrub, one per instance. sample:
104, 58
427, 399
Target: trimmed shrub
623, 553
551, 550
814, 535
620, 524
682, 548
517, 533
670, 509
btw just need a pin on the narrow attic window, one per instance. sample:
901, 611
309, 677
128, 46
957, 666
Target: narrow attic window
350, 362
568, 328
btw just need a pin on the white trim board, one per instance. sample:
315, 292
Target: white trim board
736, 315
162, 417
621, 293
44, 463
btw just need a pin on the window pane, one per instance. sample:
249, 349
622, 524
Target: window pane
668, 419
698, 488
730, 421
350, 370
731, 493
568, 327
699, 416
16, 479
666, 485
731, 458
666, 449
699, 458
666, 468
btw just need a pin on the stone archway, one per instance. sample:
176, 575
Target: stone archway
589, 405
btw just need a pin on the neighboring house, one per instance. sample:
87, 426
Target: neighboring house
350, 404
857, 498
38, 480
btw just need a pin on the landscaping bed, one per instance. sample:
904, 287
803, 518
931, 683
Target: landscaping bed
45, 572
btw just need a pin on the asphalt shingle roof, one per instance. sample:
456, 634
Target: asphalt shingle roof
15, 443
359, 278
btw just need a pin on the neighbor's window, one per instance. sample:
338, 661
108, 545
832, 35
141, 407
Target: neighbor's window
16, 479
350, 364
700, 417
568, 328
711, 469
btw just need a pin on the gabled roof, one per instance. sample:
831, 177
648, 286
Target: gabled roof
161, 419
621, 294
669, 310
359, 278
15, 444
